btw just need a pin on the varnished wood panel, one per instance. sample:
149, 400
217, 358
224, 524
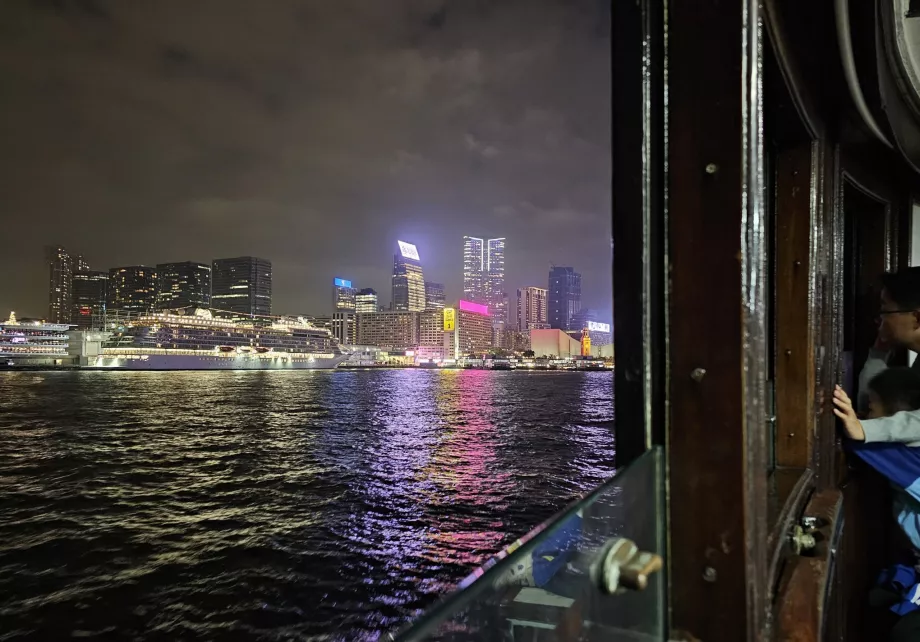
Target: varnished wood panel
716, 492
795, 364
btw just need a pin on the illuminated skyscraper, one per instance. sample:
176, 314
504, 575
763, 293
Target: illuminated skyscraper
242, 286
366, 301
495, 283
531, 309
60, 268
474, 259
408, 280
564, 297
183, 285
484, 274
434, 295
132, 289
343, 296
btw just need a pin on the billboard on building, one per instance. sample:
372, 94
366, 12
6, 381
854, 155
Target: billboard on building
342, 283
594, 326
450, 319
408, 250
478, 308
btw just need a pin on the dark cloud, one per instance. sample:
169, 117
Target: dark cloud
312, 133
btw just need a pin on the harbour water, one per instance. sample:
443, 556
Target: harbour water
274, 505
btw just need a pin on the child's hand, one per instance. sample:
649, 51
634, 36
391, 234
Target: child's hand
844, 410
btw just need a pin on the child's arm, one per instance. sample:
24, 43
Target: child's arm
901, 427
847, 415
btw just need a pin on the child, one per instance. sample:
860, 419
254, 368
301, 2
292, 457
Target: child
891, 391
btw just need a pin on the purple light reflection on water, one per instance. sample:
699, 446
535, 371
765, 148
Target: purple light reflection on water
245, 505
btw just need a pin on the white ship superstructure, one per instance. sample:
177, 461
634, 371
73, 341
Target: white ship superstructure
201, 341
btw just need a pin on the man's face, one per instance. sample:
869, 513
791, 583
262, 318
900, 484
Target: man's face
897, 324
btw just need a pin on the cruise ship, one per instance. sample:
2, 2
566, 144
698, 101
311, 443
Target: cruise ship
197, 340
32, 343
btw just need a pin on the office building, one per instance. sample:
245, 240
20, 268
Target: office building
434, 296
344, 327
468, 330
496, 296
242, 286
484, 273
474, 261
89, 292
563, 297
531, 308
343, 296
408, 280
60, 268
431, 334
132, 288
393, 330
366, 301
183, 285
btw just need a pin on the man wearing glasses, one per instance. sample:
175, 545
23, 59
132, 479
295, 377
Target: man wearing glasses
899, 326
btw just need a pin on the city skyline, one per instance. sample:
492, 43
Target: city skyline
188, 276
312, 134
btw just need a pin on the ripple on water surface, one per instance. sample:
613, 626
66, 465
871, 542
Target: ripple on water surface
274, 505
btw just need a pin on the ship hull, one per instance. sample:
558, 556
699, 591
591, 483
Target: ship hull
212, 362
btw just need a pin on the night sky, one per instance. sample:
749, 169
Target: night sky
310, 133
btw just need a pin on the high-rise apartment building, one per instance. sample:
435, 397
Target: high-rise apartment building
366, 301
242, 286
531, 309
564, 297
90, 290
183, 285
60, 268
434, 295
408, 280
343, 296
132, 288
484, 274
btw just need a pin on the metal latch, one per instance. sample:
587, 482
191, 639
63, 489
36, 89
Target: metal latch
623, 566
801, 541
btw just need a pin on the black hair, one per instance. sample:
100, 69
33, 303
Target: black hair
903, 287
897, 389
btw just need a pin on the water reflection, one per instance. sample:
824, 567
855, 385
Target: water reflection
248, 504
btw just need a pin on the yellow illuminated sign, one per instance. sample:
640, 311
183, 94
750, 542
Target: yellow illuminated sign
450, 319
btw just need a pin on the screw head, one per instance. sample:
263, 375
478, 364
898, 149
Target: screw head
712, 168
709, 574
698, 374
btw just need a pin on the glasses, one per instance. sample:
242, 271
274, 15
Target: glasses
882, 313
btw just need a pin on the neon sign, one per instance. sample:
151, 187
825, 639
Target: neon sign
408, 250
342, 283
469, 306
598, 327
450, 319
